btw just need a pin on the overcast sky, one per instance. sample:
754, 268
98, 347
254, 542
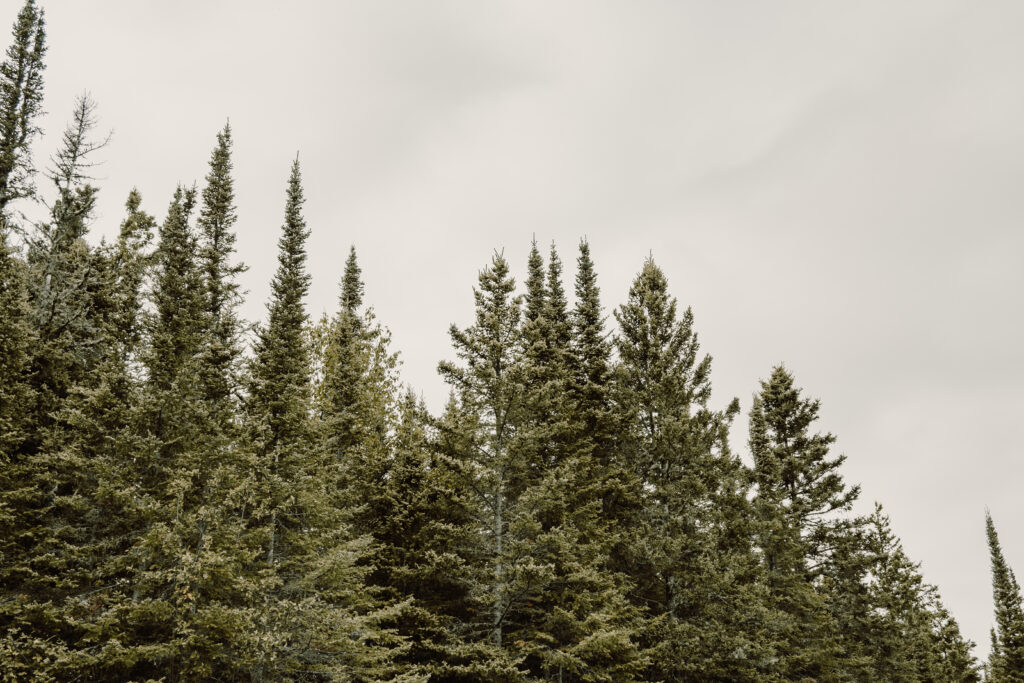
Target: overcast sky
833, 185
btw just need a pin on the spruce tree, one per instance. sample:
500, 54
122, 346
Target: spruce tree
912, 638
308, 620
799, 494
18, 642
186, 614
593, 389
101, 430
15, 344
21, 98
793, 466
51, 500
424, 535
481, 428
689, 555
356, 393
1006, 660
217, 218
64, 275
577, 624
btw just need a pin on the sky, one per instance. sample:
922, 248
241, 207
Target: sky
831, 185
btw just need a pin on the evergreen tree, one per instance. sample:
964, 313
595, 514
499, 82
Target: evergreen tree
956, 662
797, 486
1006, 660
21, 98
912, 638
15, 344
358, 380
593, 389
53, 482
307, 622
64, 274
577, 624
481, 428
101, 430
352, 284
16, 490
690, 553
423, 535
793, 467
216, 223
184, 616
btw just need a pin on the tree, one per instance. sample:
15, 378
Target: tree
592, 386
424, 536
15, 344
64, 274
577, 623
217, 217
1006, 660
481, 427
52, 480
357, 377
689, 555
911, 636
798, 488
308, 617
21, 98
793, 467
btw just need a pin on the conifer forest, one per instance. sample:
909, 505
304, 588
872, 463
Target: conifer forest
186, 496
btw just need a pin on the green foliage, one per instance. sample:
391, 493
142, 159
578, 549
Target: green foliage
170, 512
217, 217
689, 554
1006, 662
21, 100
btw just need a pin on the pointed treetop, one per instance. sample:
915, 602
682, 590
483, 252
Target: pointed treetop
1007, 658
70, 166
218, 213
351, 284
21, 99
556, 306
587, 317
788, 459
291, 282
535, 290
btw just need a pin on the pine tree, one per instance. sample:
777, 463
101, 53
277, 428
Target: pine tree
577, 624
217, 218
307, 622
481, 428
424, 534
690, 554
1006, 660
21, 98
799, 492
356, 392
52, 481
912, 638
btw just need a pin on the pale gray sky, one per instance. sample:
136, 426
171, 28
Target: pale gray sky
834, 185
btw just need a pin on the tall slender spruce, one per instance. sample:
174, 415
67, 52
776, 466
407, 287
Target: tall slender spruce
1006, 660
21, 101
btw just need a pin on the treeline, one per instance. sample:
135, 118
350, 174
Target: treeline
173, 507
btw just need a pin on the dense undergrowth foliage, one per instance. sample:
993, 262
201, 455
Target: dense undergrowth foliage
173, 508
